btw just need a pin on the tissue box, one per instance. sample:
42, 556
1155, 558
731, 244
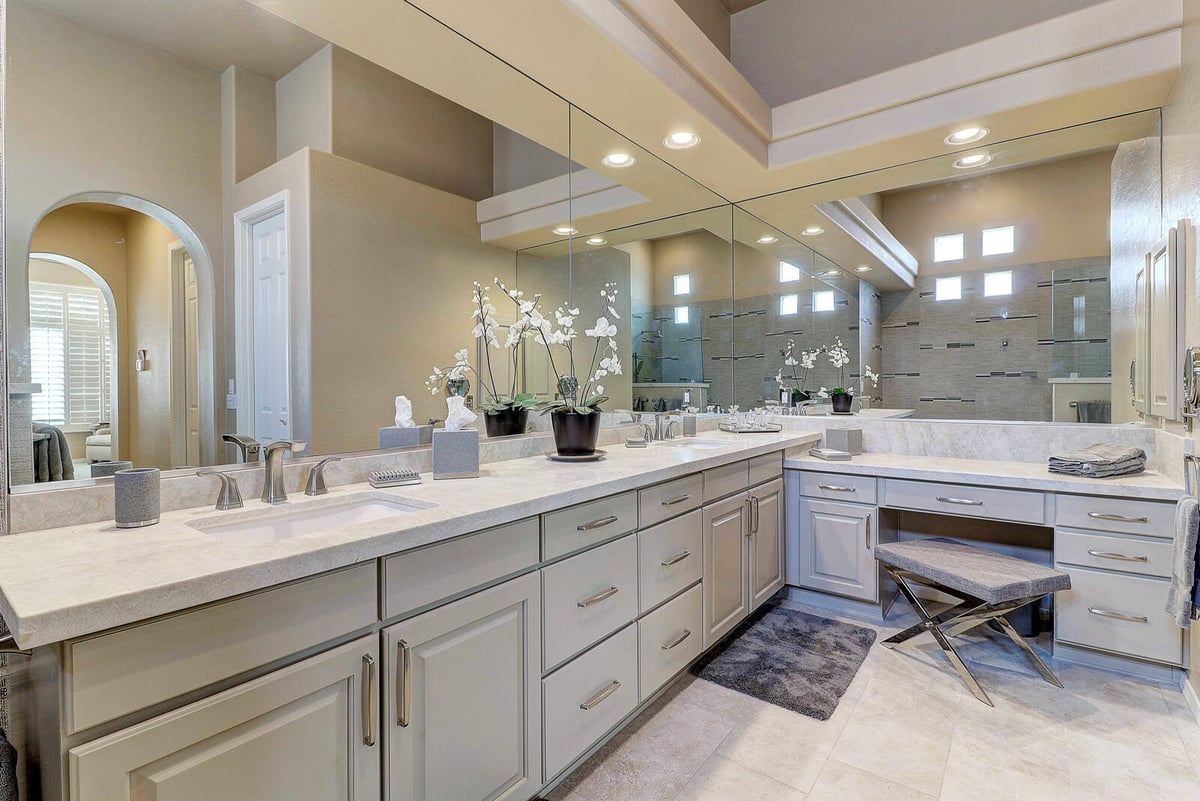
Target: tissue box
456, 453
844, 439
394, 437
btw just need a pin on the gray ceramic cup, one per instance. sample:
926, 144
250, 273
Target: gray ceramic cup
137, 498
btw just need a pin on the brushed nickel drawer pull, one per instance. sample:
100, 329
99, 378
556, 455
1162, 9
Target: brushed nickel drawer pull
680, 499
596, 699
403, 684
1122, 557
1118, 615
369, 690
868, 531
676, 559
601, 523
603, 595
1117, 518
677, 640
960, 501
836, 488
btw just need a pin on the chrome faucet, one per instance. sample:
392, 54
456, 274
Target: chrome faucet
247, 446
273, 488
659, 417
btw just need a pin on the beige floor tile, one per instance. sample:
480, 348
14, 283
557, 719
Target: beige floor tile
1113, 771
721, 779
784, 745
905, 748
841, 782
998, 762
715, 698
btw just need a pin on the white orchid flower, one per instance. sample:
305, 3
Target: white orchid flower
603, 328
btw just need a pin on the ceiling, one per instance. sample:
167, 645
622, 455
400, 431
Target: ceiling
734, 6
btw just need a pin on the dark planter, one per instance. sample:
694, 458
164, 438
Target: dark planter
799, 396
506, 423
575, 434
842, 401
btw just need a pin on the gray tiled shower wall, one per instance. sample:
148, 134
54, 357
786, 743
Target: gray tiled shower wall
992, 358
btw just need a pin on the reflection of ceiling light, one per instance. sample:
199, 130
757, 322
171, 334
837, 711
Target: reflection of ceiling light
565, 230
863, 268
768, 240
965, 136
813, 230
618, 160
974, 160
831, 272
597, 240
682, 140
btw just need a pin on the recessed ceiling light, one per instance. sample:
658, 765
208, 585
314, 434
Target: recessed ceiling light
681, 140
768, 240
863, 268
565, 230
974, 160
832, 272
965, 136
618, 160
597, 240
813, 230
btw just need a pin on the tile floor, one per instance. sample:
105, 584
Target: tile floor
907, 730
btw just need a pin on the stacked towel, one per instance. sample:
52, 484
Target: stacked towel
1184, 593
51, 454
1100, 461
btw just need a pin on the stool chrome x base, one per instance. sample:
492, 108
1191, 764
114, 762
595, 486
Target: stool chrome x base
967, 573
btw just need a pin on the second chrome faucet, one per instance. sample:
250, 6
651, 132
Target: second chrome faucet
274, 490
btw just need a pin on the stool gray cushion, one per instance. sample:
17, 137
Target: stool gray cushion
989, 576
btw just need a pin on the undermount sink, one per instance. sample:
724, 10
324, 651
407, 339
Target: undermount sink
262, 527
699, 444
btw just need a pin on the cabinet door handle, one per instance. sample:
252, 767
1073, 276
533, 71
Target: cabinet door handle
596, 699
603, 595
369, 691
403, 684
1117, 518
960, 501
676, 559
601, 523
1121, 557
836, 488
868, 531
680, 499
757, 516
1118, 615
749, 518
677, 640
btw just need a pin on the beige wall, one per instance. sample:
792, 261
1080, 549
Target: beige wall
701, 254
303, 106
1060, 210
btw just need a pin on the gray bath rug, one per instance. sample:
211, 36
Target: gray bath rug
791, 659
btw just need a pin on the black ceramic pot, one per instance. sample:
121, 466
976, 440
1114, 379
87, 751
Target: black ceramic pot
575, 434
798, 396
842, 402
506, 423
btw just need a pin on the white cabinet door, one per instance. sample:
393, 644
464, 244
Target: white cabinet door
766, 542
462, 719
303, 733
1139, 369
1166, 315
836, 548
726, 565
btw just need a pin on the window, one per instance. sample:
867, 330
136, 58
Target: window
998, 241
70, 348
788, 272
789, 304
997, 284
681, 315
948, 247
1079, 316
823, 300
683, 284
949, 288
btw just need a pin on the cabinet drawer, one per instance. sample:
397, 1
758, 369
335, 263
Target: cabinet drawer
669, 638
1018, 506
725, 480
835, 487
765, 467
574, 529
671, 499
670, 557
588, 597
586, 698
1150, 557
1118, 613
419, 578
1116, 514
113, 674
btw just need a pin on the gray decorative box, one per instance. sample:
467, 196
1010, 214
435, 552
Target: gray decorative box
395, 437
136, 497
844, 439
456, 453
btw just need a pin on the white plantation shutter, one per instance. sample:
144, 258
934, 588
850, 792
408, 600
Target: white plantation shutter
71, 354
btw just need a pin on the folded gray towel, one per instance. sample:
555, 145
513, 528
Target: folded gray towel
1125, 468
1181, 595
8, 769
1099, 454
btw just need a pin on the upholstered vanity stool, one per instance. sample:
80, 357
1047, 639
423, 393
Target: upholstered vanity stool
987, 585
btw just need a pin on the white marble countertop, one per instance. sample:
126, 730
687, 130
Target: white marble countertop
68, 582
881, 414
1020, 475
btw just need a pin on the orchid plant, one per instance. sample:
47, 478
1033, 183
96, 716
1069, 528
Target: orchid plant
805, 360
496, 399
839, 357
581, 397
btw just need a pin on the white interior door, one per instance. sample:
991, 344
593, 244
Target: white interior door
272, 373
191, 360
